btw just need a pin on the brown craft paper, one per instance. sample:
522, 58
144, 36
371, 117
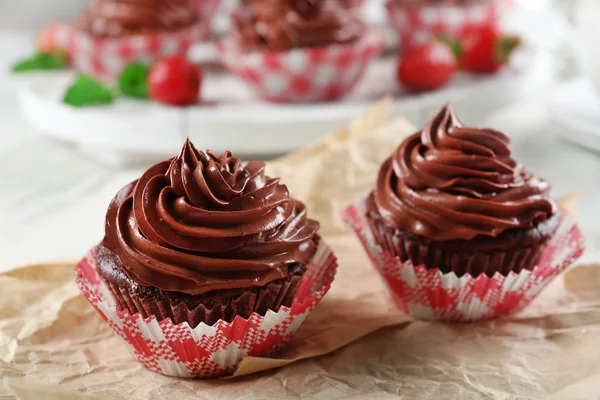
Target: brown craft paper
54, 345
337, 171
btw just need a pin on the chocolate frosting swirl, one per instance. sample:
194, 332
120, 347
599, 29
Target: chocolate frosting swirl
451, 182
280, 25
199, 222
115, 18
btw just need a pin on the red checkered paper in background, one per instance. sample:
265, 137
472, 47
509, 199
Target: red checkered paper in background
415, 25
303, 74
208, 351
429, 294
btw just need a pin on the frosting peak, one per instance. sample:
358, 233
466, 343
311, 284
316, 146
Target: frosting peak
201, 222
452, 182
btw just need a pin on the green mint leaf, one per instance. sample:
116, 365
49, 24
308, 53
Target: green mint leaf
457, 49
133, 81
41, 61
28, 64
86, 91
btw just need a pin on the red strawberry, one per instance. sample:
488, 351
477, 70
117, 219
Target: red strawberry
427, 66
174, 80
47, 40
485, 49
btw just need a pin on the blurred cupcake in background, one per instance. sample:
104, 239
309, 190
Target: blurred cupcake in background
110, 34
417, 21
299, 50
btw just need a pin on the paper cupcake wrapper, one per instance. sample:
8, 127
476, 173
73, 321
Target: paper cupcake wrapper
208, 351
272, 297
415, 25
429, 294
105, 58
302, 74
452, 258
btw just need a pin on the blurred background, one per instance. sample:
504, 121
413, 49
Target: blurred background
61, 166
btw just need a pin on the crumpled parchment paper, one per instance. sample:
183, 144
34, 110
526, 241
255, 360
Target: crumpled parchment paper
53, 345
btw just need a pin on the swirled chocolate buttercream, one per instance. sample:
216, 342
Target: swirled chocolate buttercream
450, 182
201, 222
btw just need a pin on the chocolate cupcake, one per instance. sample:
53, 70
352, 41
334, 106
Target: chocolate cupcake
299, 50
202, 238
451, 197
109, 35
457, 229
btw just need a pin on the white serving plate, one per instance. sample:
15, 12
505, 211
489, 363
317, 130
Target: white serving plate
131, 130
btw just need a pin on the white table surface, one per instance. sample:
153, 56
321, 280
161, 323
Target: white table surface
53, 201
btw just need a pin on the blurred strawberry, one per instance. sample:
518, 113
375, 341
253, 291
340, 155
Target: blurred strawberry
175, 81
47, 40
427, 66
485, 49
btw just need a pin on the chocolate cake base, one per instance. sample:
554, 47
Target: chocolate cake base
194, 309
513, 250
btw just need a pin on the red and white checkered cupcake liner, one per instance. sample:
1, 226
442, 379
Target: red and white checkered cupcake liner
303, 74
429, 294
105, 58
208, 351
415, 25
